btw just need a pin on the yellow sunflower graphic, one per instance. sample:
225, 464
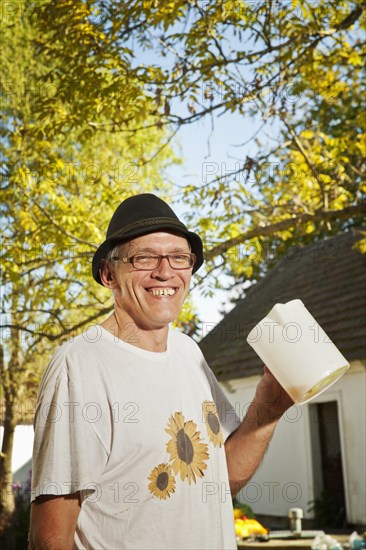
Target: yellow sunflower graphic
162, 481
212, 421
187, 453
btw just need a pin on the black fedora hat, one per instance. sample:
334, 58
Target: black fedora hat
139, 215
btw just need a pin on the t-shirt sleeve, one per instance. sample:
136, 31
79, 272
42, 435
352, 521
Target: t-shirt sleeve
228, 418
67, 455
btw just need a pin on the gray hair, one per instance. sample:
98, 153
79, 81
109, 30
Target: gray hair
108, 259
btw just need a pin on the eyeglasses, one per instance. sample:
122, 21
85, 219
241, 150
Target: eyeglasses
146, 262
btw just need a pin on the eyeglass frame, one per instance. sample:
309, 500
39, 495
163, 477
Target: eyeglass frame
159, 258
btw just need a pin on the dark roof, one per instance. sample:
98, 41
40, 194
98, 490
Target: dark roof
329, 277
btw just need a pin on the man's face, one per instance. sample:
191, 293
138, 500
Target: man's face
152, 299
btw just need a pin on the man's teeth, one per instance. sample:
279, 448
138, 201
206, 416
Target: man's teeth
162, 291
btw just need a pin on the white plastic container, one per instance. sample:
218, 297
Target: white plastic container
297, 351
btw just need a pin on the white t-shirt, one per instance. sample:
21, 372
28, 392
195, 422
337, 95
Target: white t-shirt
138, 433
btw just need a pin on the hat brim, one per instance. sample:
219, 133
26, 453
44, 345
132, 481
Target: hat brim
101, 252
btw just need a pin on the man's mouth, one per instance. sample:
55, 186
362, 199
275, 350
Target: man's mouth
166, 291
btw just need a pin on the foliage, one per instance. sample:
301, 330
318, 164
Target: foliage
22, 512
188, 321
57, 179
245, 509
295, 67
327, 511
15, 535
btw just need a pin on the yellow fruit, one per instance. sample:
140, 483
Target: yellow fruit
245, 527
241, 530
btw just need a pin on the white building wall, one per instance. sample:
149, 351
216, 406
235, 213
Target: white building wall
353, 436
285, 477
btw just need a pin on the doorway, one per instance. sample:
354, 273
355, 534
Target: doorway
329, 504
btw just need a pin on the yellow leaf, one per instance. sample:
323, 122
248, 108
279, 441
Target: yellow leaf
307, 134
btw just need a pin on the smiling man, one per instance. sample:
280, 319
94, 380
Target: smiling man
136, 446
150, 278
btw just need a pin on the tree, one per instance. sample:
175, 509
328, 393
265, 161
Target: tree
296, 67
59, 189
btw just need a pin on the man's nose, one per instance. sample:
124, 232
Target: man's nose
164, 269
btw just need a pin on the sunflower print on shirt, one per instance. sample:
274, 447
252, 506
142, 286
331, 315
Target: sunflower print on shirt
162, 481
212, 422
188, 454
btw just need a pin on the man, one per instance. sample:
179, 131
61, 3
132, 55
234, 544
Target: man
136, 445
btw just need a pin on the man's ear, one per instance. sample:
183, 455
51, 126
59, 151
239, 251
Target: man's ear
107, 276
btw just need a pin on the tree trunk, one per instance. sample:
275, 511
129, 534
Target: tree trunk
7, 504
7, 500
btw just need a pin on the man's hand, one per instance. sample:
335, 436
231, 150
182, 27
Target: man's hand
270, 399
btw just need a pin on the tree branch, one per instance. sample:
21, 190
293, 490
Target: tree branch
329, 215
351, 18
65, 332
